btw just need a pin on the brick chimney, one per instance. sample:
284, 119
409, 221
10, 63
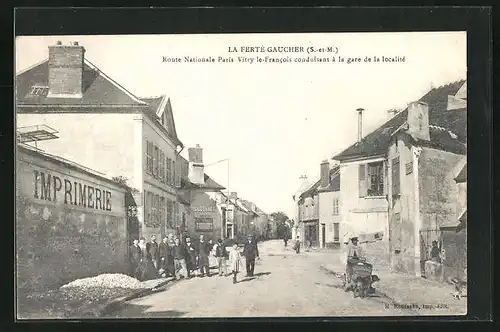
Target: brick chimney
66, 70
233, 195
418, 120
196, 168
324, 173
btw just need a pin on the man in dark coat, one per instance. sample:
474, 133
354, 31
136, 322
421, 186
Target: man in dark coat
250, 251
203, 252
191, 258
135, 258
165, 256
152, 250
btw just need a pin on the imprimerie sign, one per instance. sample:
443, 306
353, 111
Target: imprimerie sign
53, 188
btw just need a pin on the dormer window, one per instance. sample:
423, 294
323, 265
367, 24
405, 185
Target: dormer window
39, 90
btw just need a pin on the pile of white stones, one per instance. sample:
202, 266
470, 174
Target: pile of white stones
108, 280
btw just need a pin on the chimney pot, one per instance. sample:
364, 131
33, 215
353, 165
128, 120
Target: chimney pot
59, 42
360, 123
324, 173
75, 43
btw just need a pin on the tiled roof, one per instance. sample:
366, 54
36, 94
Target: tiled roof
334, 183
99, 92
210, 184
98, 89
377, 142
311, 191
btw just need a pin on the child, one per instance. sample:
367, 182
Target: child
235, 259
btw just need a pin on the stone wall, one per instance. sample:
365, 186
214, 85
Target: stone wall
58, 241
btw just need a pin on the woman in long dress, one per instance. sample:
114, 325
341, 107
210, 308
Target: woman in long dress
235, 259
147, 269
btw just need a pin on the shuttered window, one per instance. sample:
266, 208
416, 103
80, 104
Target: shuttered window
170, 222
149, 157
161, 165
169, 171
155, 160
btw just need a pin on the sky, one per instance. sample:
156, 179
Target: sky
273, 121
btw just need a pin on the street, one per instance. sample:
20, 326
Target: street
285, 284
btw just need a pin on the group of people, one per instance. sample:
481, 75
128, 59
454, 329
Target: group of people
173, 258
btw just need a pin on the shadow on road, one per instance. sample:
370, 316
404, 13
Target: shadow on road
261, 274
246, 279
136, 311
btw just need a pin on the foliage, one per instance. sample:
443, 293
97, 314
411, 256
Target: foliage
124, 181
283, 224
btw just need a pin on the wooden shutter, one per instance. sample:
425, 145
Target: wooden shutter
363, 180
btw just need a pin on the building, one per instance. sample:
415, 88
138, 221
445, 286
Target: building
424, 149
330, 221
305, 184
107, 128
396, 183
202, 211
308, 206
71, 222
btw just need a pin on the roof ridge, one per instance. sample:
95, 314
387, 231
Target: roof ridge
130, 94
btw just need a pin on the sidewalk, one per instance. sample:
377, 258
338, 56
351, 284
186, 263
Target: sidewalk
405, 290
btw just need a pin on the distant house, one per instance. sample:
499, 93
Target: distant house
308, 206
305, 184
330, 221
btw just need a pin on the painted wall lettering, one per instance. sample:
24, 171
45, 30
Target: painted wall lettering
90, 200
46, 187
67, 191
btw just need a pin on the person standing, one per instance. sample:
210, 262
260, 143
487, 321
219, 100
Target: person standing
221, 254
179, 253
235, 259
191, 257
135, 258
296, 246
163, 253
250, 252
146, 267
152, 248
203, 252
285, 239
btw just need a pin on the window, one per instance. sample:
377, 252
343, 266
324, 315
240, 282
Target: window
170, 222
149, 157
161, 165
177, 175
336, 232
38, 90
176, 214
162, 211
371, 179
395, 177
169, 171
147, 208
155, 160
335, 206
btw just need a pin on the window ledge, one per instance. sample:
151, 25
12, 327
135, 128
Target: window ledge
375, 197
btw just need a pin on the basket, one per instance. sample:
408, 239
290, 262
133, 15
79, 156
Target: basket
362, 270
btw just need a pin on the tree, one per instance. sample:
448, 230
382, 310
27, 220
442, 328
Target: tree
282, 222
124, 181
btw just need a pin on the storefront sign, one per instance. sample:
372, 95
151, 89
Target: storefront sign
204, 224
203, 209
53, 188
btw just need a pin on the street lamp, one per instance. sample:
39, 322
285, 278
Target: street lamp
222, 230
